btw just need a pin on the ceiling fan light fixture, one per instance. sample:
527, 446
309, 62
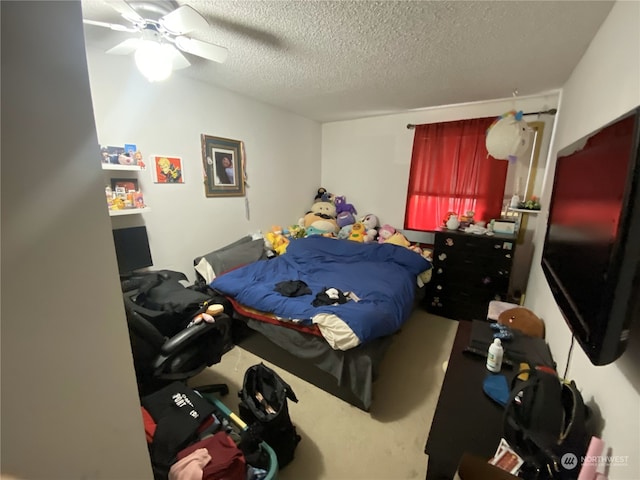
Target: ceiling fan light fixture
158, 50
154, 60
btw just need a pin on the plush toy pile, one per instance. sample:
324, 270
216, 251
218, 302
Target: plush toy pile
332, 216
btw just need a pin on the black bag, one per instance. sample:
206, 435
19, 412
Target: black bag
163, 300
263, 403
547, 423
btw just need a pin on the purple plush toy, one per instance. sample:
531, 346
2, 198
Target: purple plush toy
345, 218
342, 205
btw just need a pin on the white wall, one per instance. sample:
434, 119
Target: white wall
70, 408
167, 118
368, 159
604, 85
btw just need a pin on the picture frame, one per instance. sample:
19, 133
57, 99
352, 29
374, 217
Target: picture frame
223, 161
167, 169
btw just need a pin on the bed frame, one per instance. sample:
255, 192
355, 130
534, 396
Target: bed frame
260, 345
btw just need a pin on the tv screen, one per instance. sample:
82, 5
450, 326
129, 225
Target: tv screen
592, 245
132, 249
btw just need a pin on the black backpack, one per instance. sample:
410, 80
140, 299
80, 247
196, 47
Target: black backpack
263, 406
547, 423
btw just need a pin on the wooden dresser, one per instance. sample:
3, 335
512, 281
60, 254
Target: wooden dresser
468, 272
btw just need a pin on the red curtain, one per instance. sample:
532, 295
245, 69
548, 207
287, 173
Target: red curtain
451, 171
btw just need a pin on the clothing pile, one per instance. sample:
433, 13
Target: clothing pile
189, 438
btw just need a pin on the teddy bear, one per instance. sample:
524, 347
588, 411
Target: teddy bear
322, 217
385, 232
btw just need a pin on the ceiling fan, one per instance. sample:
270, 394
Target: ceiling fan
161, 39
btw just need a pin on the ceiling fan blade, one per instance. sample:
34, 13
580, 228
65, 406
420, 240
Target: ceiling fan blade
202, 49
178, 60
112, 26
125, 48
182, 20
126, 10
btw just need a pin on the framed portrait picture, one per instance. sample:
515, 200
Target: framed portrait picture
167, 169
223, 161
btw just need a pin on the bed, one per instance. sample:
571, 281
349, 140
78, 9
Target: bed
326, 310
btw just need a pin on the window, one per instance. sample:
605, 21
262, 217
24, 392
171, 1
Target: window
451, 171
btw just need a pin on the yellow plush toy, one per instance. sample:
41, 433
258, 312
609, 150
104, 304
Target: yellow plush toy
357, 232
398, 239
277, 240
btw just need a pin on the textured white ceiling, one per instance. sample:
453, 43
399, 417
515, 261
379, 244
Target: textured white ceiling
335, 60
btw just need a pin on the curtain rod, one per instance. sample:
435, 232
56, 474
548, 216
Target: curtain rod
551, 111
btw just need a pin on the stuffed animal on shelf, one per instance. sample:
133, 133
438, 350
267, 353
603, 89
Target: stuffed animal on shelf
385, 232
342, 205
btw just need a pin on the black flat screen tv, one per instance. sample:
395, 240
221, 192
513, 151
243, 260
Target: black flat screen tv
132, 249
592, 246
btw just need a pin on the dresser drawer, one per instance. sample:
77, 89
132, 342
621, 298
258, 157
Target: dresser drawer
499, 260
461, 280
472, 245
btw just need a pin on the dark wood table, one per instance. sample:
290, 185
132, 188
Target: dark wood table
466, 419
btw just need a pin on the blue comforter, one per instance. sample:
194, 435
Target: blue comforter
383, 276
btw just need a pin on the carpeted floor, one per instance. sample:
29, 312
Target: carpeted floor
340, 441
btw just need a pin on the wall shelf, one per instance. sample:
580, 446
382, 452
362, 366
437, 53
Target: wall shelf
524, 210
118, 167
128, 211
